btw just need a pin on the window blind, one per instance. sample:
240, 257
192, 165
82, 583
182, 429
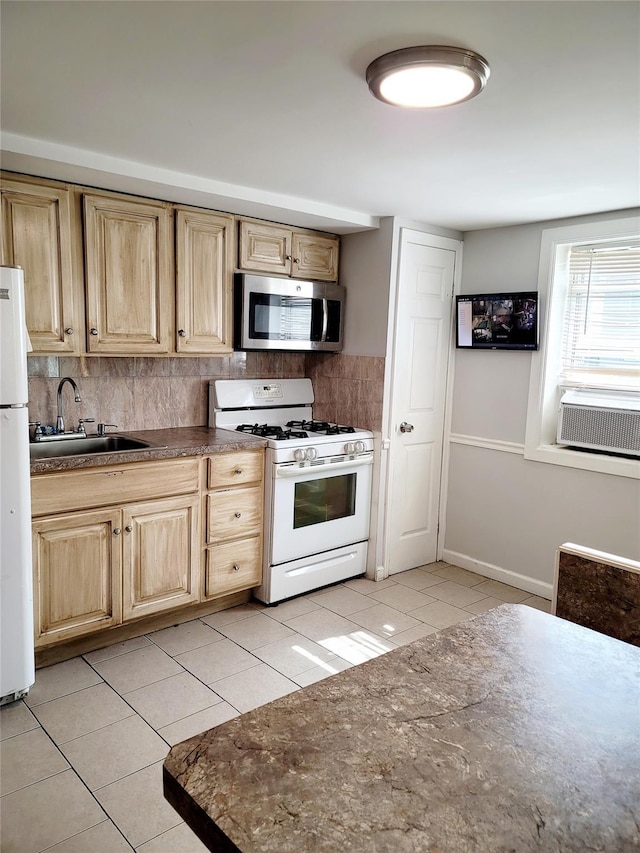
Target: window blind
601, 331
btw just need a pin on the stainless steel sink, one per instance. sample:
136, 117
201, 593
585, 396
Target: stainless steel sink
91, 445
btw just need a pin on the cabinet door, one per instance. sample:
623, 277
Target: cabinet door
36, 235
161, 558
315, 256
264, 248
204, 277
129, 263
76, 559
233, 566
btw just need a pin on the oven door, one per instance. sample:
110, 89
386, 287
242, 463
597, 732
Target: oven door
319, 506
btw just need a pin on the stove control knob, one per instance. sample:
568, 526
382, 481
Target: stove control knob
350, 447
312, 453
299, 455
360, 448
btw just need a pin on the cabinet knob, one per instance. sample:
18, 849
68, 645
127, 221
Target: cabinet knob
68, 331
182, 333
128, 528
296, 260
238, 471
236, 567
117, 531
238, 514
287, 257
93, 332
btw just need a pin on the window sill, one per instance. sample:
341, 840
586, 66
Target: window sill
600, 462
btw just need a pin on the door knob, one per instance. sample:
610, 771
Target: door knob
405, 427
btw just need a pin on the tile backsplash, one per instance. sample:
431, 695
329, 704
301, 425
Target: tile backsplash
347, 388
152, 393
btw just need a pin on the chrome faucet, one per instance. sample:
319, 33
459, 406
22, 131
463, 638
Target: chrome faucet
78, 399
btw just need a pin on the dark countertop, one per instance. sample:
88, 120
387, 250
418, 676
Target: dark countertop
168, 444
515, 731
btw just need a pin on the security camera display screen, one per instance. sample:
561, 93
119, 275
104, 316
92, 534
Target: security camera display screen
497, 321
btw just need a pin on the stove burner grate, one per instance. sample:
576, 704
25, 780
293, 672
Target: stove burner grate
267, 431
323, 427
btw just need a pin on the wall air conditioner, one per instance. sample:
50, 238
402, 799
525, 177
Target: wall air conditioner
600, 420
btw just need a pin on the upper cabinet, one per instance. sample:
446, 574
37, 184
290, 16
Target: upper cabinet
37, 235
205, 247
288, 251
112, 274
128, 275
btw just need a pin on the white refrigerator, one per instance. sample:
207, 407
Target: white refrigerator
17, 668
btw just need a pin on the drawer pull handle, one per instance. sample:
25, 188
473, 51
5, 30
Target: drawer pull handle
128, 528
238, 471
236, 567
117, 531
238, 514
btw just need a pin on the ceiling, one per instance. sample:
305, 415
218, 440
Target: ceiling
261, 107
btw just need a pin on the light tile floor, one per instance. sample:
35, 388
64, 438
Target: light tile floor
82, 754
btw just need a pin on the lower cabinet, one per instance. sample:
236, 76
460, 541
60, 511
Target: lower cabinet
172, 534
233, 510
161, 552
77, 570
97, 569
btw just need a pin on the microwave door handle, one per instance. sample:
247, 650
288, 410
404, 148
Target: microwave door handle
325, 319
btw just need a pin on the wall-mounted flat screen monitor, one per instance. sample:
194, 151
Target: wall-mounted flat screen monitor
497, 321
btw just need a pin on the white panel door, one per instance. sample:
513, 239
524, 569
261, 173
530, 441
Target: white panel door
422, 344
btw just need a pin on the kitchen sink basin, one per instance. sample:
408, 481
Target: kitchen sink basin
91, 445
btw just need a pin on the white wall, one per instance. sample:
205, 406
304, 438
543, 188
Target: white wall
367, 270
365, 260
506, 515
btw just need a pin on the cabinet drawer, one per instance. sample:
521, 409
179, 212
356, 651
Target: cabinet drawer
234, 469
234, 513
233, 565
94, 487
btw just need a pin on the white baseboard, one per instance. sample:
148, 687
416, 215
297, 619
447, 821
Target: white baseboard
535, 587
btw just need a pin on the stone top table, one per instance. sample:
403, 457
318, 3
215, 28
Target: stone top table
515, 731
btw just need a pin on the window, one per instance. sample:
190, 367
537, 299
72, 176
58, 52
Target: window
589, 277
601, 326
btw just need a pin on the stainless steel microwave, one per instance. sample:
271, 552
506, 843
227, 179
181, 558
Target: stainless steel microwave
287, 314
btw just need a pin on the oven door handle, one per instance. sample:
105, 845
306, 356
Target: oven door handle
305, 470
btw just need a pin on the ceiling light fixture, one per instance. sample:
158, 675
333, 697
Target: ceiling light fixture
428, 76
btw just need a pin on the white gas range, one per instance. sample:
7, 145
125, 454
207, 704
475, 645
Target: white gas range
317, 483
